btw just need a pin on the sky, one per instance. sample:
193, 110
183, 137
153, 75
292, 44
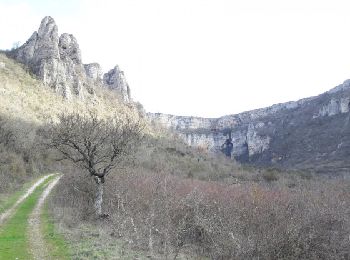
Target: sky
204, 58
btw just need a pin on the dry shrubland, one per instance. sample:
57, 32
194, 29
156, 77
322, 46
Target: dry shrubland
165, 213
172, 200
25, 106
17, 155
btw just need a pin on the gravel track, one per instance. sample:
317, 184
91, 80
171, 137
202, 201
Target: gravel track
37, 242
5, 215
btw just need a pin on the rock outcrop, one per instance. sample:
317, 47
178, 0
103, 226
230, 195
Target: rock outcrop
93, 71
57, 61
312, 133
115, 80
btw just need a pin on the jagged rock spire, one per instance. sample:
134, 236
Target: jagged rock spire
69, 48
57, 61
115, 80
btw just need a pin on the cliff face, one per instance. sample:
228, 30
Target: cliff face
57, 61
312, 133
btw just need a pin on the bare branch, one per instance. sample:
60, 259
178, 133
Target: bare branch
96, 145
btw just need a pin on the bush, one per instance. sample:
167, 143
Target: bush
169, 216
270, 175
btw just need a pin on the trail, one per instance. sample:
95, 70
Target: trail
37, 242
5, 215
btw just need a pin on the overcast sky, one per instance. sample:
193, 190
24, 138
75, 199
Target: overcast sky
202, 57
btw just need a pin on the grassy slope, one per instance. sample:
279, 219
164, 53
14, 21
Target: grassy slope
13, 238
24, 97
56, 242
7, 200
95, 243
26, 104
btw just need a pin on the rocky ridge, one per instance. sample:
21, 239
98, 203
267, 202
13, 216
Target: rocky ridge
312, 133
56, 60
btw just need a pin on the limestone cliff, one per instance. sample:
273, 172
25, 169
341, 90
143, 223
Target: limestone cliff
312, 133
57, 61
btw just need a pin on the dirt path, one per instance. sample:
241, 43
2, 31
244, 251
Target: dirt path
5, 215
37, 242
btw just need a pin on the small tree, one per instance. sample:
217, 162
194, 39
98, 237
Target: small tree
95, 145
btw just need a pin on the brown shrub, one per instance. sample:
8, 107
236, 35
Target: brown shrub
168, 215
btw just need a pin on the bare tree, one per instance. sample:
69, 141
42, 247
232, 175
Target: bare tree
96, 145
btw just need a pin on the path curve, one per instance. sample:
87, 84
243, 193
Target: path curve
37, 242
5, 215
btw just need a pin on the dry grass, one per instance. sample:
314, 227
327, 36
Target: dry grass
172, 199
23, 97
165, 215
26, 105
223, 211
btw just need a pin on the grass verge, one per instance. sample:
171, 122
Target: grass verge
13, 235
7, 200
56, 242
93, 242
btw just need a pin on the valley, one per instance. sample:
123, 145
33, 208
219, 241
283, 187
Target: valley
129, 184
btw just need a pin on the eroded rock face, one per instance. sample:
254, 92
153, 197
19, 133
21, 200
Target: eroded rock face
57, 61
180, 122
93, 71
69, 48
257, 143
334, 107
40, 46
312, 133
115, 80
211, 133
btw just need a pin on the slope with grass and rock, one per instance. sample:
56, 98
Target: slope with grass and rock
169, 200
309, 134
57, 61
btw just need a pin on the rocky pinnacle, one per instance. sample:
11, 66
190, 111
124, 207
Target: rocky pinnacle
57, 61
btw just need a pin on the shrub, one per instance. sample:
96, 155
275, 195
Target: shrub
169, 216
270, 175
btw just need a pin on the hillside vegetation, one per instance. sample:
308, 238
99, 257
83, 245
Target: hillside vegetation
169, 201
25, 98
26, 105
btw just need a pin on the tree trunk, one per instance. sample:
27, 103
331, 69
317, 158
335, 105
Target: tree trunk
99, 197
150, 235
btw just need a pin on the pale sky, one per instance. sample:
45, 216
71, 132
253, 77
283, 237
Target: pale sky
202, 57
